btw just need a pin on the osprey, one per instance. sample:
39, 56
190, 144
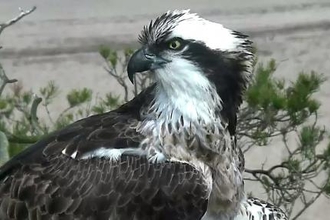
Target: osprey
257, 209
167, 154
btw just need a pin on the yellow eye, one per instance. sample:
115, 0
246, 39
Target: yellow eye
174, 45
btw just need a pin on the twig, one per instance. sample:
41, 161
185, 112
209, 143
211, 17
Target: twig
48, 114
307, 205
33, 114
119, 78
4, 155
3, 76
16, 19
5, 80
22, 140
62, 114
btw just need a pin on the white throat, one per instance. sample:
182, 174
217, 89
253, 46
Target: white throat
183, 91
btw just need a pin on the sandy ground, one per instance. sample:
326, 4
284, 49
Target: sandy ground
60, 42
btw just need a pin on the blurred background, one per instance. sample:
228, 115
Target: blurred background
60, 41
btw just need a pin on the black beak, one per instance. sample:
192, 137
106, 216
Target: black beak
142, 60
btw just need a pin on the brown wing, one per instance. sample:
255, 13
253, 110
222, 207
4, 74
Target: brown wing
110, 130
131, 188
44, 182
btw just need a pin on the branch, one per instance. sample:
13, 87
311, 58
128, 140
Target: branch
33, 114
307, 205
19, 17
5, 80
3, 76
22, 140
119, 78
4, 155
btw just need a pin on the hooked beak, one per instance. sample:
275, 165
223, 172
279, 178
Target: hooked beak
142, 60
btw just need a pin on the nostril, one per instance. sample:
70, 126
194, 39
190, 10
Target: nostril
149, 56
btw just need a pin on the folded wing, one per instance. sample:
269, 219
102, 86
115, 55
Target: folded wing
92, 169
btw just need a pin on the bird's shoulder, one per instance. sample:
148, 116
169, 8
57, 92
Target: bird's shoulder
111, 130
52, 178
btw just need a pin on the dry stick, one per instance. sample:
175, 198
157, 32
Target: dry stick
5, 80
4, 156
307, 205
33, 114
3, 75
19, 17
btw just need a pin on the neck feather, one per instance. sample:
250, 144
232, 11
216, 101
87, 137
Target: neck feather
184, 93
192, 104
186, 113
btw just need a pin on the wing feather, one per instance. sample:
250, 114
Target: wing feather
114, 129
53, 180
75, 189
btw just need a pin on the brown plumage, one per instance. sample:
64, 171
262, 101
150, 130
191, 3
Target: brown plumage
167, 154
43, 183
131, 188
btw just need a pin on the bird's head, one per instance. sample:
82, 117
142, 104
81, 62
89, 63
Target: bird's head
187, 54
